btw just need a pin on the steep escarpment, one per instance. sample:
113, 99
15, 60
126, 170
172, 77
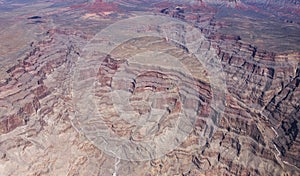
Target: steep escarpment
26, 86
265, 85
262, 101
183, 96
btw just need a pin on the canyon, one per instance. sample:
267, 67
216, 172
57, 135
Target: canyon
149, 87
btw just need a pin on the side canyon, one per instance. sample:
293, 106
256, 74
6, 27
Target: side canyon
149, 87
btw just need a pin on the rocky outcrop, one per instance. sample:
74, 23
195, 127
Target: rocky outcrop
265, 84
25, 86
257, 132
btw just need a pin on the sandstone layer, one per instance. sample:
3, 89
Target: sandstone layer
190, 92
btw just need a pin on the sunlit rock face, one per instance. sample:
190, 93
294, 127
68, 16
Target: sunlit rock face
149, 87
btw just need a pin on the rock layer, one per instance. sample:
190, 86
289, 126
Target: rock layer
257, 132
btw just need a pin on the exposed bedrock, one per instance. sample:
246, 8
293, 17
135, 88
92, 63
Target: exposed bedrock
262, 106
265, 89
150, 89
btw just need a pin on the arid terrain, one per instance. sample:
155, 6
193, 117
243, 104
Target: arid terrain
128, 87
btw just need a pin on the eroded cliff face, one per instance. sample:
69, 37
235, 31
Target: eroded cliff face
241, 101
